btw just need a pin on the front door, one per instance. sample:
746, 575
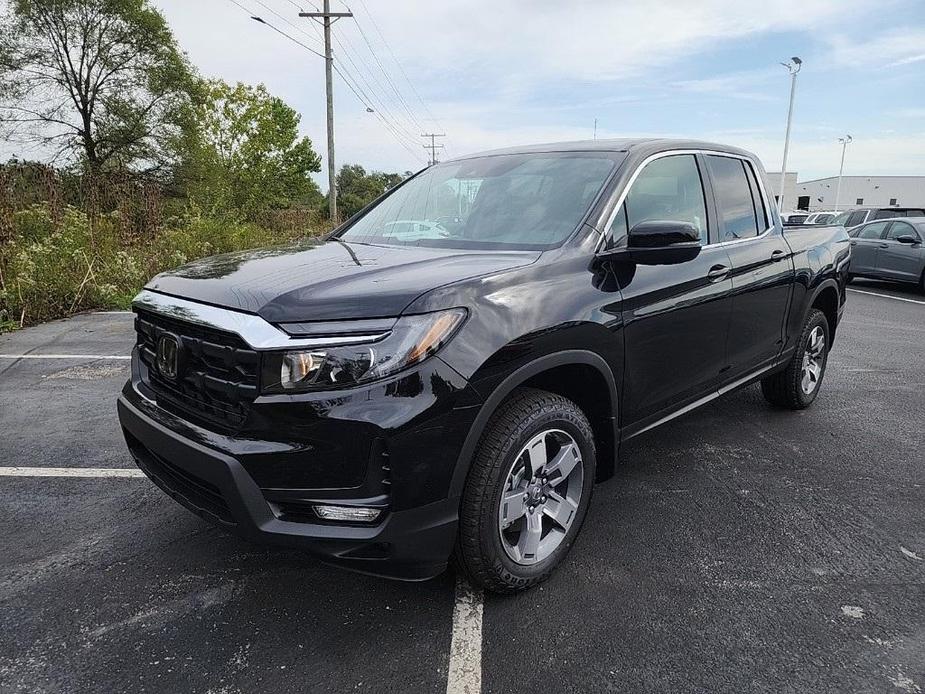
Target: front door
901, 261
675, 317
865, 247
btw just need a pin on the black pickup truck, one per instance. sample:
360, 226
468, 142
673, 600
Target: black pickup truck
452, 370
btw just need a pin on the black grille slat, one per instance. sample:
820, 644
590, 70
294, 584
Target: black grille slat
217, 379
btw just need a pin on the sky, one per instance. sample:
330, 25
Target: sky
495, 74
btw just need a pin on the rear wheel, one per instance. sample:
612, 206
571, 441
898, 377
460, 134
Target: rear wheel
527, 492
798, 385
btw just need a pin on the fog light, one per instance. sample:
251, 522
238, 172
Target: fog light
356, 514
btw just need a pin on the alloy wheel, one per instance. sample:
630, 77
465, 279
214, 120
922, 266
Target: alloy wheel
813, 360
540, 496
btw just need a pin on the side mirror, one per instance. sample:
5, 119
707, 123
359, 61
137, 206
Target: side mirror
658, 242
908, 238
660, 234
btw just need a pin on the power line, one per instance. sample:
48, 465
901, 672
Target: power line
385, 73
278, 31
382, 101
328, 56
365, 96
398, 62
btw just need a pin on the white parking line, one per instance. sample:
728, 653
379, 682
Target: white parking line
887, 296
465, 671
69, 472
65, 356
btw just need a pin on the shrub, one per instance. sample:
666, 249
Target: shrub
53, 267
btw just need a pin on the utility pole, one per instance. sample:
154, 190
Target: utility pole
841, 169
595, 128
433, 146
793, 67
329, 18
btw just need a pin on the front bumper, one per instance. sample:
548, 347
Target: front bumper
413, 544
244, 482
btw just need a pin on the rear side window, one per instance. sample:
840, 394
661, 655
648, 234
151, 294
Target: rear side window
872, 231
823, 219
736, 206
856, 218
667, 189
888, 214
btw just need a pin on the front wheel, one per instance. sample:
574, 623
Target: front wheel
527, 492
798, 384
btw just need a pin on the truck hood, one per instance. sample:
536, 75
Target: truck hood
329, 280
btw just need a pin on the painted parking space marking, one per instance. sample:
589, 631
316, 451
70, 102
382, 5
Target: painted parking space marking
465, 668
887, 296
465, 671
65, 356
69, 472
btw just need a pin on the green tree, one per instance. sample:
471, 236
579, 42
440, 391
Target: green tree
356, 188
246, 154
97, 82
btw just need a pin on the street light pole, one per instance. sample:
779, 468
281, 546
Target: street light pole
793, 67
841, 169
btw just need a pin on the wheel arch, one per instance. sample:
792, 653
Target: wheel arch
825, 298
542, 373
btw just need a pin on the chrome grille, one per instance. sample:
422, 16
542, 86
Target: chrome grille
217, 372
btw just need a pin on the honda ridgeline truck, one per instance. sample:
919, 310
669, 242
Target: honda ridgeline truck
452, 370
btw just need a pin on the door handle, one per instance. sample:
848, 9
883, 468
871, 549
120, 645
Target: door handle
884, 245
777, 255
717, 272
854, 243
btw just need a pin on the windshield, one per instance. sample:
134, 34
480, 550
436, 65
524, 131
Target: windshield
512, 201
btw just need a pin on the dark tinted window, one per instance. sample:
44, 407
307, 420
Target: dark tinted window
856, 218
901, 229
733, 197
889, 214
872, 231
668, 189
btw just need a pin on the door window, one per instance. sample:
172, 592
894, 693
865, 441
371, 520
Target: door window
856, 217
901, 229
733, 197
667, 189
872, 231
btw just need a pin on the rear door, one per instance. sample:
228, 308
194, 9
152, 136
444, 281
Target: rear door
865, 246
901, 261
762, 267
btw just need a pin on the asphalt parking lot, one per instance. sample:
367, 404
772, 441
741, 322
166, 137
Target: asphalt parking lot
740, 548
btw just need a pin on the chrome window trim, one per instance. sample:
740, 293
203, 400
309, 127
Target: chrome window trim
673, 152
254, 330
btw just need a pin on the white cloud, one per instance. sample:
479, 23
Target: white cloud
592, 40
902, 46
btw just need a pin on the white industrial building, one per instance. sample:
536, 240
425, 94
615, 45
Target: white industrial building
860, 191
856, 191
790, 188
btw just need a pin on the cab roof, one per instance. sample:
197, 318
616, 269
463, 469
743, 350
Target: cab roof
648, 145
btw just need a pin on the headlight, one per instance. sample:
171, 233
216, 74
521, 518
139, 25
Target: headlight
411, 340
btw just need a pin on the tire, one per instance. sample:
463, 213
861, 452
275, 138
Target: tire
788, 388
486, 550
